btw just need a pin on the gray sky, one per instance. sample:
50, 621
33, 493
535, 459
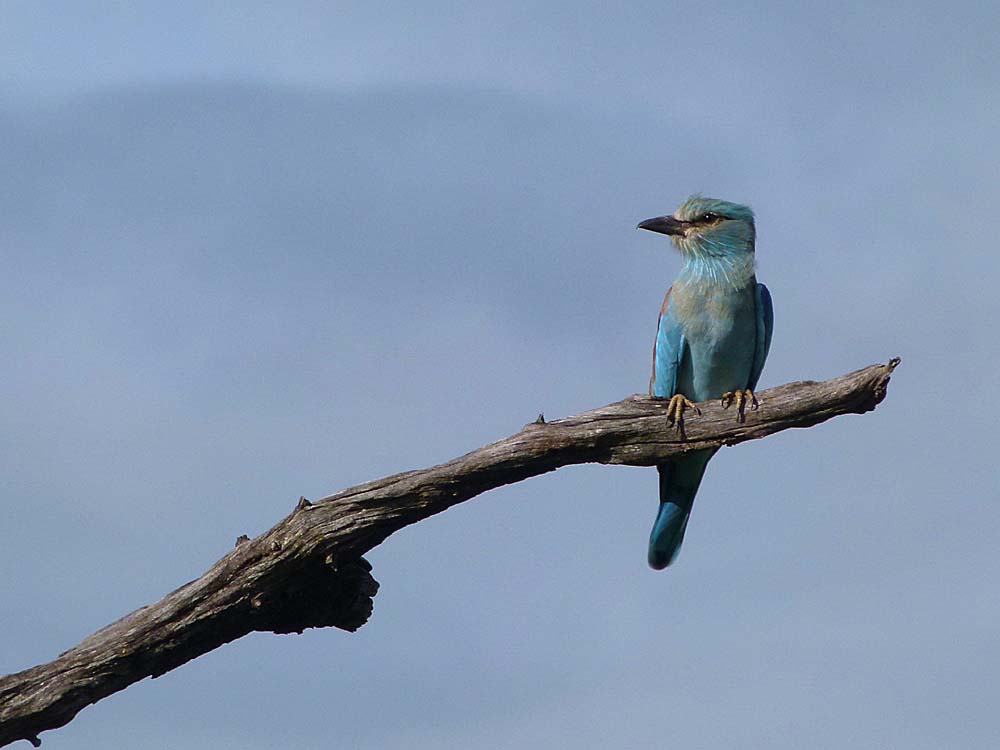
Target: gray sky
255, 254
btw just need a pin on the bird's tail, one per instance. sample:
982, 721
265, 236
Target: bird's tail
679, 482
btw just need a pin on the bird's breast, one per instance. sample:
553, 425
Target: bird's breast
719, 325
707, 311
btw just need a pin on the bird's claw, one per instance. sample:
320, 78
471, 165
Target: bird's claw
675, 409
741, 399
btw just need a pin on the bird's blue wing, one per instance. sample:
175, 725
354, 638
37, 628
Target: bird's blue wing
667, 353
679, 479
765, 326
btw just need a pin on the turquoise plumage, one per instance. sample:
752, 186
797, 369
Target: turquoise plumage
712, 339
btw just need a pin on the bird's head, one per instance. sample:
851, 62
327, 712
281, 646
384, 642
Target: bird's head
706, 227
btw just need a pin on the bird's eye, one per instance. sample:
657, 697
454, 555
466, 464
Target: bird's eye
708, 217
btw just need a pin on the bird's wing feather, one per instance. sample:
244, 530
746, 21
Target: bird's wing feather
667, 353
765, 326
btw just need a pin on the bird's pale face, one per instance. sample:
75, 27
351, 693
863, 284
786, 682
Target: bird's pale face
707, 227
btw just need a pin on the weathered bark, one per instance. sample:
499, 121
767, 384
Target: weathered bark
308, 572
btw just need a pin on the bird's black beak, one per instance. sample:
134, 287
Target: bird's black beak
663, 225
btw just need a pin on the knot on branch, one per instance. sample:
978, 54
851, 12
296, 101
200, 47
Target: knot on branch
318, 595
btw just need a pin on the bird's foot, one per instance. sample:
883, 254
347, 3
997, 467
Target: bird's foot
676, 407
741, 399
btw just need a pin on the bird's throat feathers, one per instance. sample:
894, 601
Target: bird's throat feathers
728, 271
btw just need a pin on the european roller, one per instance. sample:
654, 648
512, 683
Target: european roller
712, 339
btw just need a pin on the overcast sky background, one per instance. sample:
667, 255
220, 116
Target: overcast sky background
257, 253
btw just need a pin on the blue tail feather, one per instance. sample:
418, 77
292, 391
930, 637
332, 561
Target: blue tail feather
679, 482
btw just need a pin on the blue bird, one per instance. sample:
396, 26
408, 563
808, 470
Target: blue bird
712, 339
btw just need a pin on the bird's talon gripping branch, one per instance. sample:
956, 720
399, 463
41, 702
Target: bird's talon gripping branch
675, 409
741, 399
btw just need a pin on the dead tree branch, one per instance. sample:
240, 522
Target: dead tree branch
308, 570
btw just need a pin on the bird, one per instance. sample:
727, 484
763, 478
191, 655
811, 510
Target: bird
712, 338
